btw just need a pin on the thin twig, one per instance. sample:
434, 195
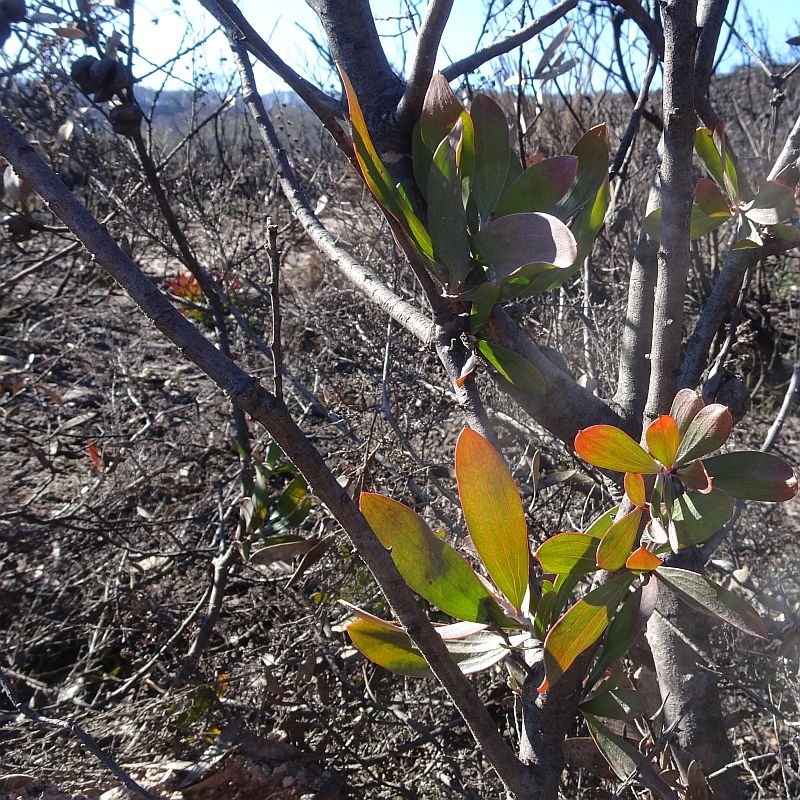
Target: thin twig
74, 729
276, 345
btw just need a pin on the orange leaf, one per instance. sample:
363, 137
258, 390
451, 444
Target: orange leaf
94, 455
608, 447
663, 439
642, 560
634, 488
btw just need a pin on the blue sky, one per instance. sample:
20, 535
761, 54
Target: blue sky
284, 30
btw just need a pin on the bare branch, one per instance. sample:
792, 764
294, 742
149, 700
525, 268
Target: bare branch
647, 25
245, 392
472, 62
430, 36
365, 280
327, 109
677, 189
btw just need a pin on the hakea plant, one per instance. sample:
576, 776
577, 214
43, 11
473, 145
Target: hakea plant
677, 494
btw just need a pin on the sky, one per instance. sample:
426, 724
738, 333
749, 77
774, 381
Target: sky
161, 24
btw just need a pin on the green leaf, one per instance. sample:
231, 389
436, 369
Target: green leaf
531, 279
752, 475
625, 628
447, 221
512, 241
493, 513
592, 152
698, 516
773, 204
540, 187
615, 704
617, 544
568, 553
291, 509
705, 148
492, 153
484, 299
712, 599
587, 223
389, 647
581, 627
377, 178
518, 371
602, 523
626, 760
432, 568
663, 439
707, 432
685, 407
608, 447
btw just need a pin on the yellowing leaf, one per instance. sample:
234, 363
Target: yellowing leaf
581, 627
429, 565
663, 439
616, 545
608, 447
634, 488
567, 553
493, 513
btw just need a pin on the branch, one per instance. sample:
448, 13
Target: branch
471, 63
86, 739
244, 391
677, 193
430, 36
647, 25
236, 26
566, 407
367, 282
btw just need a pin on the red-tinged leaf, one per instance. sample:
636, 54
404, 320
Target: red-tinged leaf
581, 627
685, 407
592, 152
377, 178
752, 475
773, 204
626, 626
709, 198
707, 432
642, 560
493, 513
634, 488
94, 455
663, 439
540, 187
389, 647
697, 516
608, 447
447, 220
710, 598
518, 371
616, 545
492, 154
512, 241
568, 553
694, 476
432, 568
440, 111
626, 760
